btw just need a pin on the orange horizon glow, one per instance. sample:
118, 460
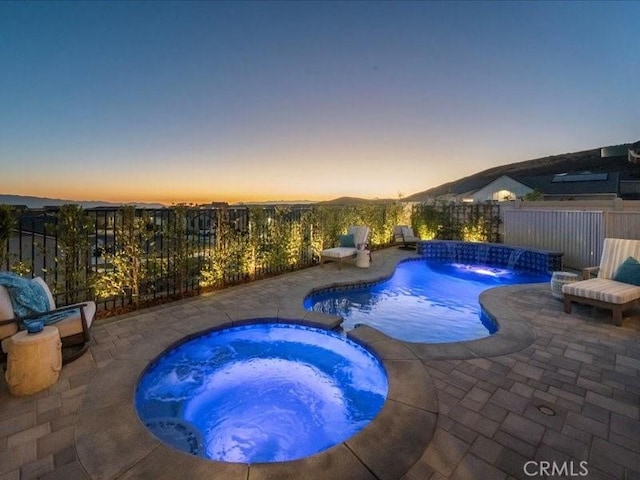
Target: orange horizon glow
165, 199
284, 102
365, 171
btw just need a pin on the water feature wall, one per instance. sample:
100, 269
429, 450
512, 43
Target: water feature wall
516, 258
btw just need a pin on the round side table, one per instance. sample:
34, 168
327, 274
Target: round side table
34, 361
558, 279
363, 258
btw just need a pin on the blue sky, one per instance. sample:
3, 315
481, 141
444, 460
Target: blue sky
207, 101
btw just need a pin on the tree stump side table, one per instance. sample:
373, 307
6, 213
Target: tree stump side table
363, 258
34, 361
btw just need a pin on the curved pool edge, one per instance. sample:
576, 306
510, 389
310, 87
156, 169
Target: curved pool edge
111, 442
514, 333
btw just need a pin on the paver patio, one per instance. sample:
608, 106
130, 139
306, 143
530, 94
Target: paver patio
491, 397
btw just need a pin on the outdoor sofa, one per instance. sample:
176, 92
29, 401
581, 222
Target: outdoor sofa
404, 234
74, 329
357, 238
617, 285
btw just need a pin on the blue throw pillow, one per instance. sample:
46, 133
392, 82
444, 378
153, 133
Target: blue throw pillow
347, 241
628, 272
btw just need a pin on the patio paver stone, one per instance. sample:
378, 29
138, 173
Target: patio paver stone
474, 411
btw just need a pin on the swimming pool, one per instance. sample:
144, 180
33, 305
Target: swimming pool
425, 301
260, 393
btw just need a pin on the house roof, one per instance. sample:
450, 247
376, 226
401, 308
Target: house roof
588, 160
574, 183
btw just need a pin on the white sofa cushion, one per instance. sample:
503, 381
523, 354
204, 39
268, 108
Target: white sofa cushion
72, 324
339, 252
360, 234
604, 290
6, 313
45, 287
409, 236
6, 307
614, 252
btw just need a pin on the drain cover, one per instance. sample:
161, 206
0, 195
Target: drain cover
546, 410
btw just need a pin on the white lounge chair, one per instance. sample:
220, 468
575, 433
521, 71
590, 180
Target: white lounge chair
346, 251
404, 234
604, 291
74, 329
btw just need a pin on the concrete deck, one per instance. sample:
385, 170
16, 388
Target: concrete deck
462, 411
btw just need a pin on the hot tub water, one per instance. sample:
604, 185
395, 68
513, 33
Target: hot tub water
264, 392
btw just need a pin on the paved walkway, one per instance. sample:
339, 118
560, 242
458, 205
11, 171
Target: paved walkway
563, 394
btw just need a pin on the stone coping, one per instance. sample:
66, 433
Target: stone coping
387, 448
111, 441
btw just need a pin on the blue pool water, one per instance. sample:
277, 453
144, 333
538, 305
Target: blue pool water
424, 301
264, 392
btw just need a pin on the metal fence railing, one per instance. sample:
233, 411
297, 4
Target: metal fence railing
458, 221
127, 257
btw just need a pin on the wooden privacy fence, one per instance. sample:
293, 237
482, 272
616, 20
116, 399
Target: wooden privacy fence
579, 234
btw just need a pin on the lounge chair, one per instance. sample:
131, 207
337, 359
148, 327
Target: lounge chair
404, 234
357, 238
74, 329
607, 290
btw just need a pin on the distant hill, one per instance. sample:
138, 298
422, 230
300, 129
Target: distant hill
274, 202
40, 202
587, 160
355, 201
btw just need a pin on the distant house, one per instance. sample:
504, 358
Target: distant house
615, 173
561, 186
501, 189
634, 153
599, 173
576, 185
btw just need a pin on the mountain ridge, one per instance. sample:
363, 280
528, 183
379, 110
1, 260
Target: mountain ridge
31, 201
354, 201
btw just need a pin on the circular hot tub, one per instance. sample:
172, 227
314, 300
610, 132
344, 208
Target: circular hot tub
259, 393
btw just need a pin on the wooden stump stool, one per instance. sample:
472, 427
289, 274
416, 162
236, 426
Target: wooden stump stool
34, 361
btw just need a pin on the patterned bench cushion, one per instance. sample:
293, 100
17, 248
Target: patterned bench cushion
604, 290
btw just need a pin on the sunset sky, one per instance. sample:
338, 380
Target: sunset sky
242, 101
